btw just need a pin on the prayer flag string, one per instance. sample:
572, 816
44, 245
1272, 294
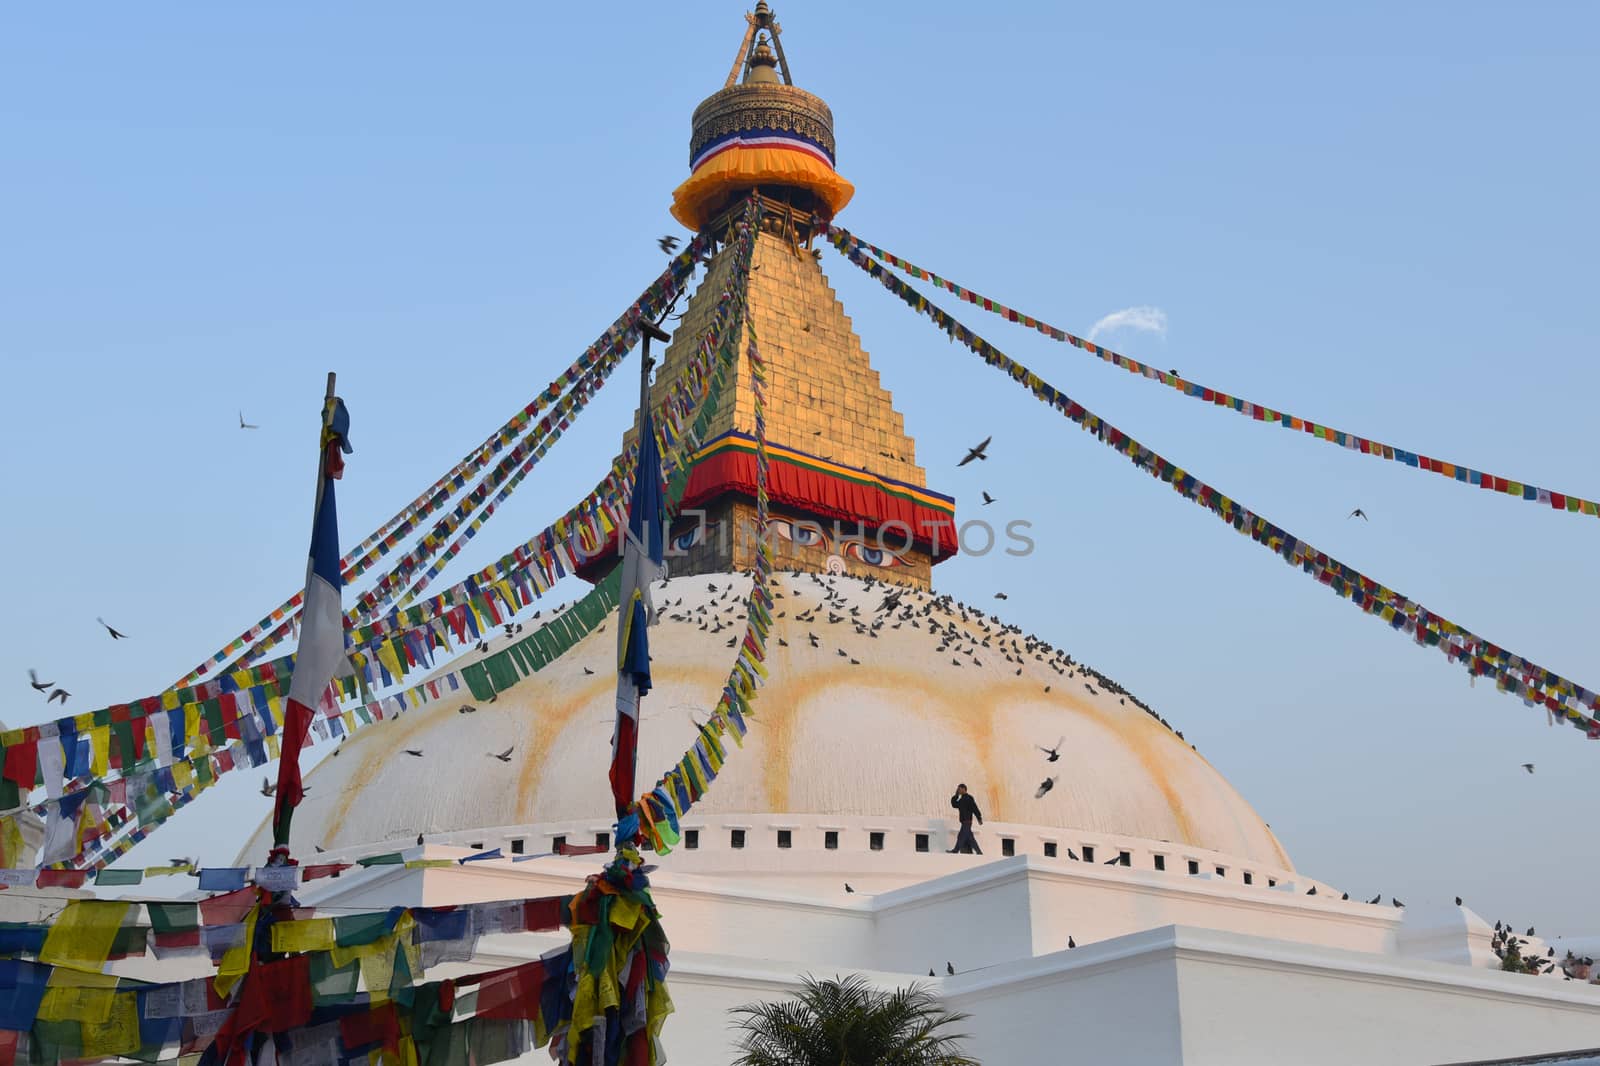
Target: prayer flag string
1560, 501
1536, 685
676, 791
657, 296
174, 746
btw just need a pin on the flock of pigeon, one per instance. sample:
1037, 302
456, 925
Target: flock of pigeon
56, 692
1508, 948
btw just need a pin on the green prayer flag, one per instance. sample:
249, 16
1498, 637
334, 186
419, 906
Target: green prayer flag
109, 876
355, 929
173, 917
394, 858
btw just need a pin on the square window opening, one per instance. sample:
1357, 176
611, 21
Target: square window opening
1008, 846
875, 841
1194, 868
691, 839
517, 846
1049, 849
1124, 859
1088, 853
557, 844
1249, 878
922, 841
1161, 862
1222, 871
736, 838
785, 838
602, 840
830, 839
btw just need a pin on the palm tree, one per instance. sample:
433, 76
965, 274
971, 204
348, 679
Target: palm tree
846, 1022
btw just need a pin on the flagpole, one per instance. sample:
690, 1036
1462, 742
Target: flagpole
316, 508
322, 447
651, 331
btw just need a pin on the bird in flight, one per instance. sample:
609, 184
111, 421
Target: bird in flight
669, 244
268, 788
1000, 596
1359, 513
115, 634
414, 751
1044, 786
246, 425
59, 694
503, 756
987, 499
466, 708
976, 452
1528, 766
38, 686
1052, 753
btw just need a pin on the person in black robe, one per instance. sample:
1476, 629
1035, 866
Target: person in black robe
967, 808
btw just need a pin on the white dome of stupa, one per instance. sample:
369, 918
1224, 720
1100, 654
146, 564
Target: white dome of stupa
878, 725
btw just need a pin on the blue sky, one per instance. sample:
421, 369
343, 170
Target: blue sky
1378, 216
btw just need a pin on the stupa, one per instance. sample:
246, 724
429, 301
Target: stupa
1141, 911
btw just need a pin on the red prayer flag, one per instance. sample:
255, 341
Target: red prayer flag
541, 915
330, 869
228, 908
512, 994
22, 764
378, 1026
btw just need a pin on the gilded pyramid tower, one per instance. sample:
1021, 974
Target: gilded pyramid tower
847, 494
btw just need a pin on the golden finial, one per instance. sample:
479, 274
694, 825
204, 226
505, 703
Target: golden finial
763, 65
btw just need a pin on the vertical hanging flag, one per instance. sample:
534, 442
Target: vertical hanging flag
321, 652
642, 562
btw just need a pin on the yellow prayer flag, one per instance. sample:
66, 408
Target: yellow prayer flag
626, 912
91, 1006
118, 1033
167, 871
11, 845
84, 932
236, 960
314, 934
100, 743
273, 747
182, 775
390, 661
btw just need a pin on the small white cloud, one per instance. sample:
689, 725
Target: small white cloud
1148, 319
